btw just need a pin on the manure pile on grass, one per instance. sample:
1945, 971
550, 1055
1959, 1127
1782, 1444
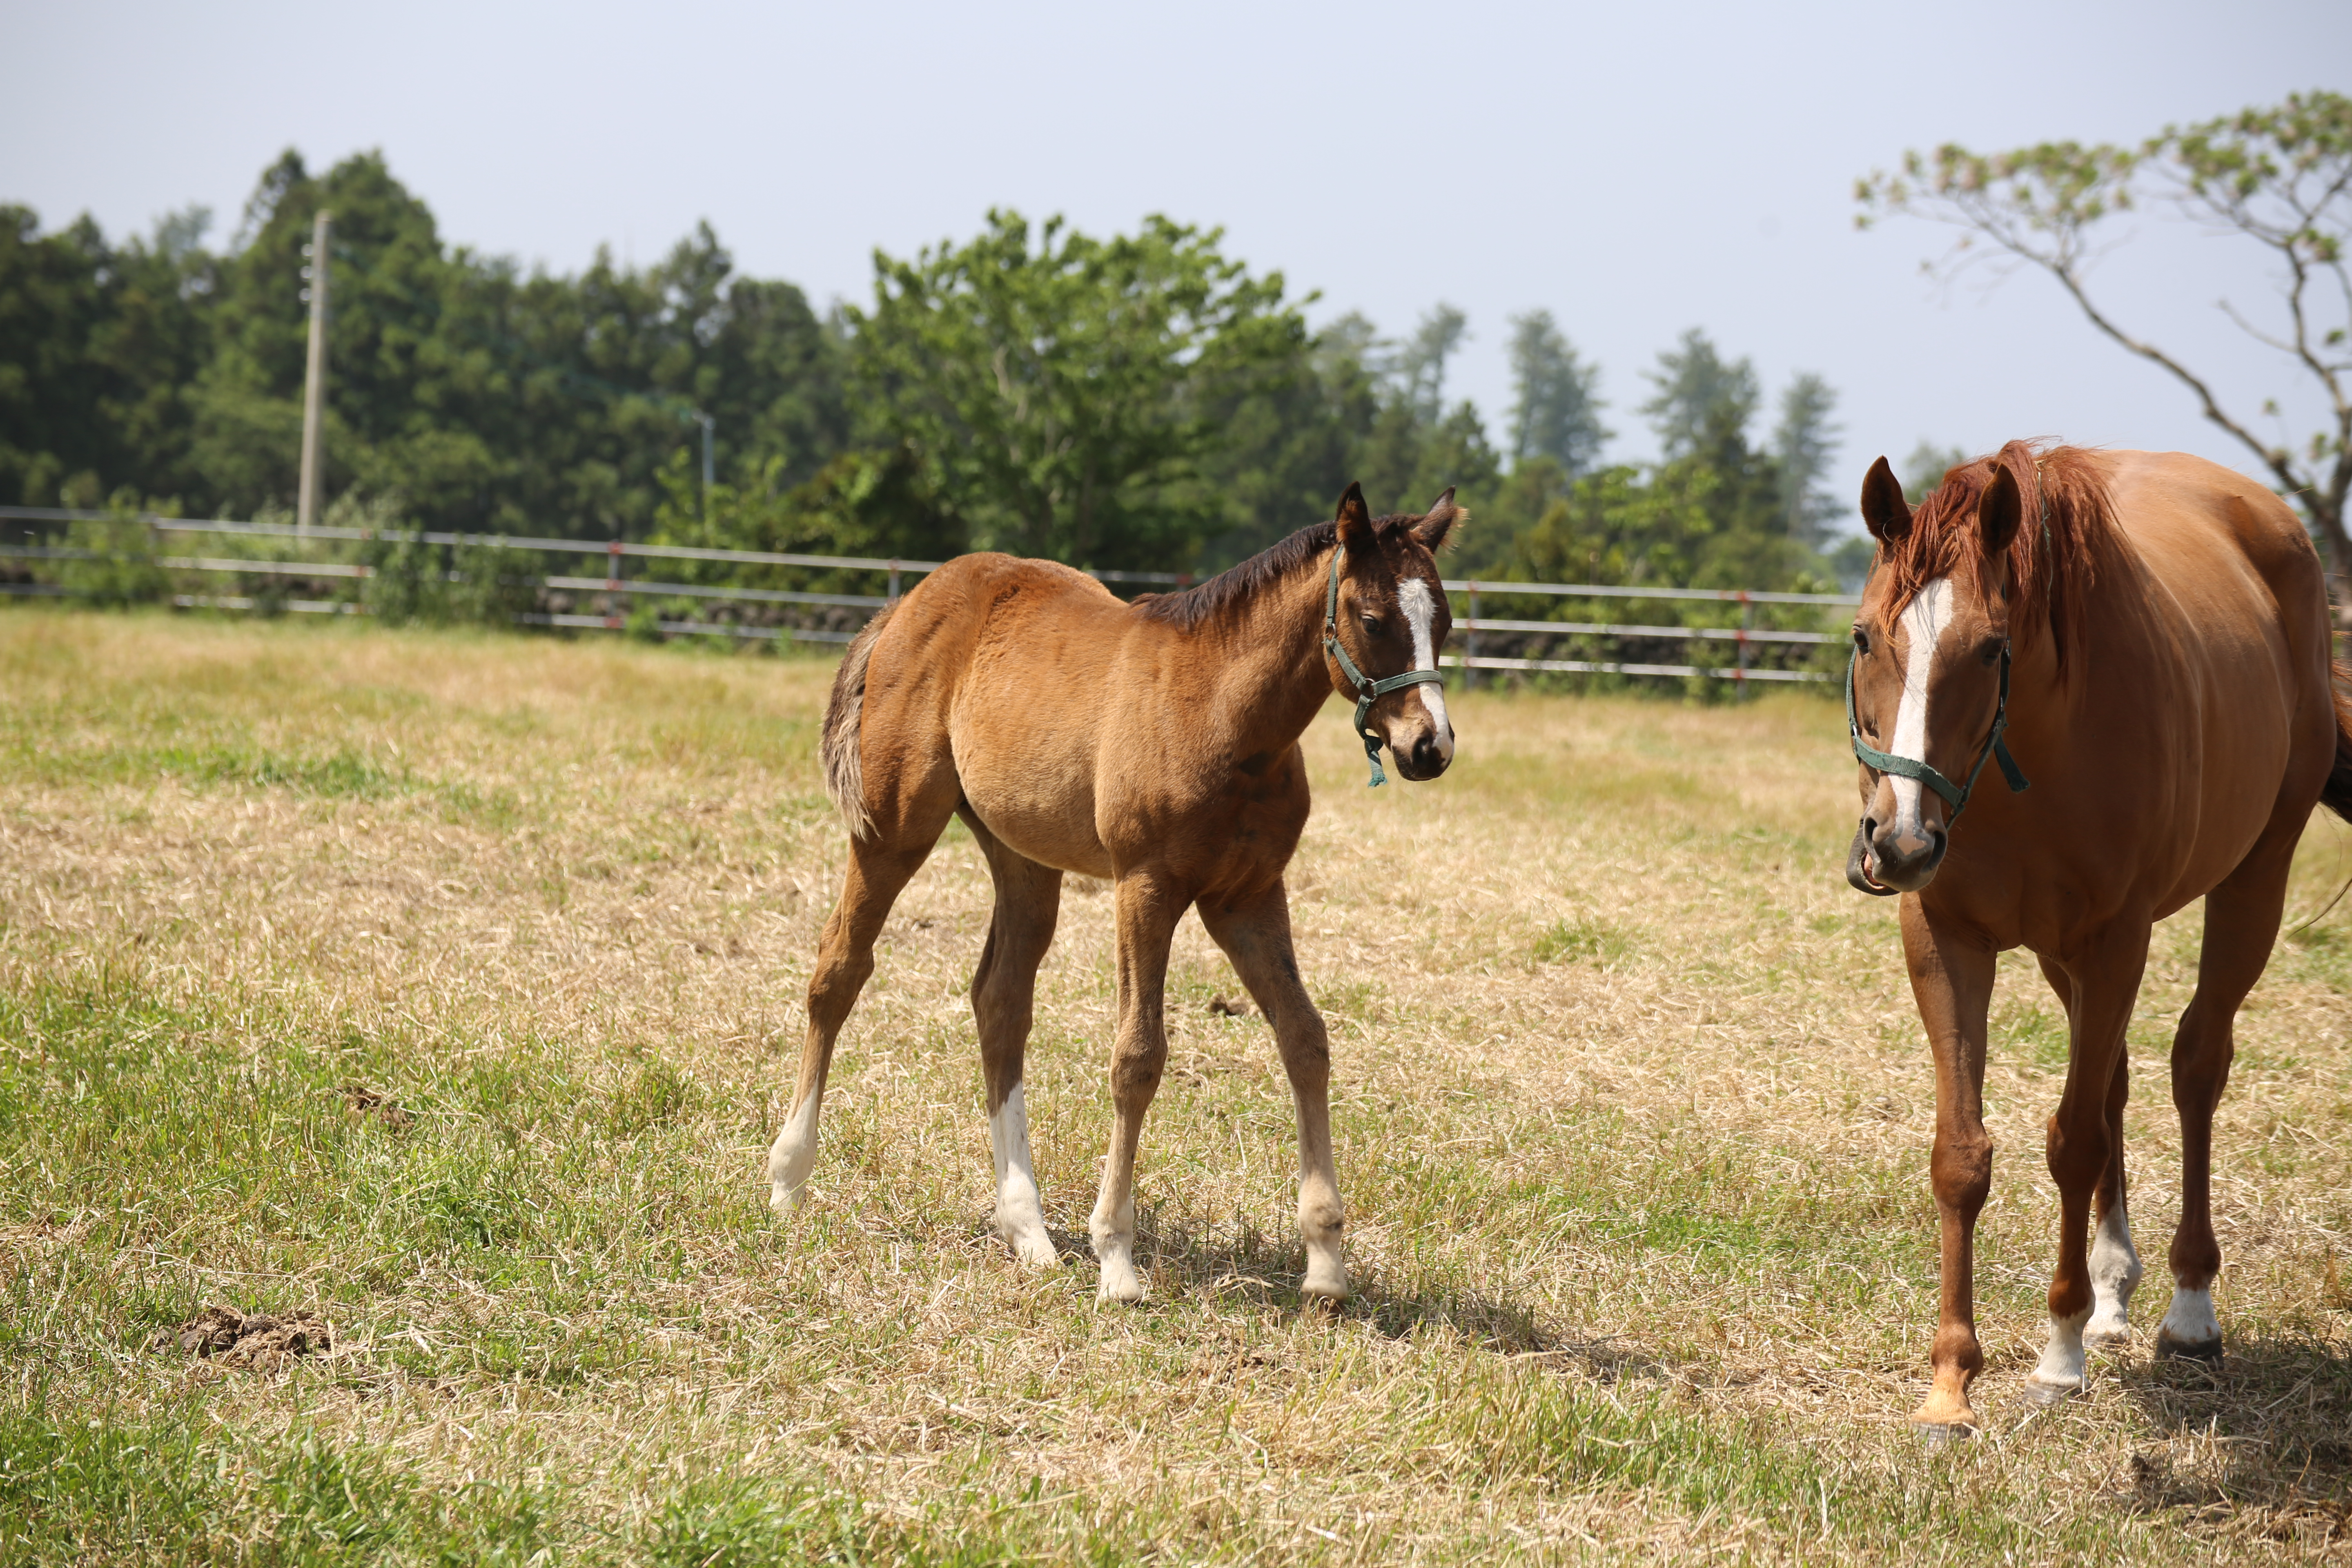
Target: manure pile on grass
439, 993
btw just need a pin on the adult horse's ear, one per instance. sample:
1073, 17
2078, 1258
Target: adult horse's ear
1438, 522
1355, 519
1883, 510
2000, 511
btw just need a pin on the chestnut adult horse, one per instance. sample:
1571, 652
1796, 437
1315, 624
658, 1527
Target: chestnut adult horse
1153, 743
2143, 639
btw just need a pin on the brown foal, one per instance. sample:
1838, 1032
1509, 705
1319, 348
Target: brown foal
1152, 743
2173, 711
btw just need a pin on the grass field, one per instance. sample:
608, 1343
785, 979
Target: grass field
447, 987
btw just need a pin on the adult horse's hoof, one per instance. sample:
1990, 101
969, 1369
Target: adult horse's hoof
1035, 1249
2048, 1394
1935, 1434
2170, 1348
2107, 1336
1326, 1282
1121, 1285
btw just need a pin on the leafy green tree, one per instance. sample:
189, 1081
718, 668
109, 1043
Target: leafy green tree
2280, 177
1065, 390
1556, 412
1420, 363
1804, 444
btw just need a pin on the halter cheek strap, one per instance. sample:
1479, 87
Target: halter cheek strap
1367, 690
1956, 795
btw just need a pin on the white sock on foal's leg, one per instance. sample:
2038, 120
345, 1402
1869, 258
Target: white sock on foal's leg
2114, 1275
792, 1158
1020, 1218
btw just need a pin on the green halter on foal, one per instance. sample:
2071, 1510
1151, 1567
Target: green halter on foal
1367, 690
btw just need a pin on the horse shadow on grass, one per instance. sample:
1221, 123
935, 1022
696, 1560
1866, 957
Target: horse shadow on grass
1186, 1256
2263, 1437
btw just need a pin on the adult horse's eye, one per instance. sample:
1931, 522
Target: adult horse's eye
1989, 654
1861, 640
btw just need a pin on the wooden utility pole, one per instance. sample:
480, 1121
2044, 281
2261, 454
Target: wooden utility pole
314, 381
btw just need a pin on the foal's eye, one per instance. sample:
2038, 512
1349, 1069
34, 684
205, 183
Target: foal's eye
1372, 625
1861, 640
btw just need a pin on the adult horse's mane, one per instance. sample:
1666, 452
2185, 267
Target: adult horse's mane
2067, 523
1236, 585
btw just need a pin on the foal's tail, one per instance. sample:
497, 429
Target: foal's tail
845, 771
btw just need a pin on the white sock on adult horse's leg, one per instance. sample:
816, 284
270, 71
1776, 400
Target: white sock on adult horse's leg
1020, 1218
2190, 1327
2114, 1275
793, 1158
1114, 1238
2061, 1372
1322, 1226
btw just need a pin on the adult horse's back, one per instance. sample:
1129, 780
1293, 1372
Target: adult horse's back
1154, 743
2172, 707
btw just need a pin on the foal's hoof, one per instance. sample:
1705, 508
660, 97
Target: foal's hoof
1935, 1434
2168, 1348
2107, 1336
1121, 1283
784, 1201
2048, 1394
1035, 1249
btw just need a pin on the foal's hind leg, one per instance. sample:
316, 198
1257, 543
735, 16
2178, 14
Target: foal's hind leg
1255, 934
879, 866
1003, 989
1149, 908
2242, 920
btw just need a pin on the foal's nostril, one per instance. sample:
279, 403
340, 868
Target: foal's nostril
1428, 758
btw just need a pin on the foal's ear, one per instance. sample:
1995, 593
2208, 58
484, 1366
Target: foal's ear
2000, 511
1440, 521
1355, 519
1883, 510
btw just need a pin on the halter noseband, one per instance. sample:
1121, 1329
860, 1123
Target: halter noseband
1367, 690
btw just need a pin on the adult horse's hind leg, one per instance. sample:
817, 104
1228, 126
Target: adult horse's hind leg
2082, 1152
1255, 934
1148, 910
880, 865
2242, 920
1004, 990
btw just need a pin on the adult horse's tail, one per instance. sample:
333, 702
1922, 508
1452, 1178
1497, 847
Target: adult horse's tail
844, 772
2336, 793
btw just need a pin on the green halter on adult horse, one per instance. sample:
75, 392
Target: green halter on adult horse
2169, 631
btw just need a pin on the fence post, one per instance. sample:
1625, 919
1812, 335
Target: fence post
894, 578
613, 618
1470, 658
1746, 623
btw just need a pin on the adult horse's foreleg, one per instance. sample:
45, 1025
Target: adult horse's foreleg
2114, 1261
1255, 934
1148, 910
2082, 1147
2242, 920
878, 871
1951, 980
1003, 994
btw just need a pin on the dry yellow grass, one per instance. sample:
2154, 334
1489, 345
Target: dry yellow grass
1631, 1108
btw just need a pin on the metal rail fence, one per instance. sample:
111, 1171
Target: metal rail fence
616, 587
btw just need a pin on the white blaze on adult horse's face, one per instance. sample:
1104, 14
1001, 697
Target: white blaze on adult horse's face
1924, 621
1419, 608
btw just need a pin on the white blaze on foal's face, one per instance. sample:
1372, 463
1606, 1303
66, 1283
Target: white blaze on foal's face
1419, 608
1924, 621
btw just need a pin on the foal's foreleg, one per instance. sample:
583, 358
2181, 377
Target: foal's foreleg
1149, 908
1255, 935
1004, 994
2081, 1142
844, 960
2242, 920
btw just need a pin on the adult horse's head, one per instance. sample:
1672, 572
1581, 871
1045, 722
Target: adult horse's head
1385, 618
1928, 680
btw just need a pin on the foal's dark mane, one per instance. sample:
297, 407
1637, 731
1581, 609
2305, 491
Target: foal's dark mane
1238, 584
2068, 524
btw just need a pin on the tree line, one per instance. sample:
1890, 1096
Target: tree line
1139, 401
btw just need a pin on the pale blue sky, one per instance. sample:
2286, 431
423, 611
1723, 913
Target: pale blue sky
1637, 170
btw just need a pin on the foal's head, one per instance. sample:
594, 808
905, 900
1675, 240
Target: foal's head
1930, 654
1392, 617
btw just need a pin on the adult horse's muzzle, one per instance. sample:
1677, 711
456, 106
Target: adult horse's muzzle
1883, 861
